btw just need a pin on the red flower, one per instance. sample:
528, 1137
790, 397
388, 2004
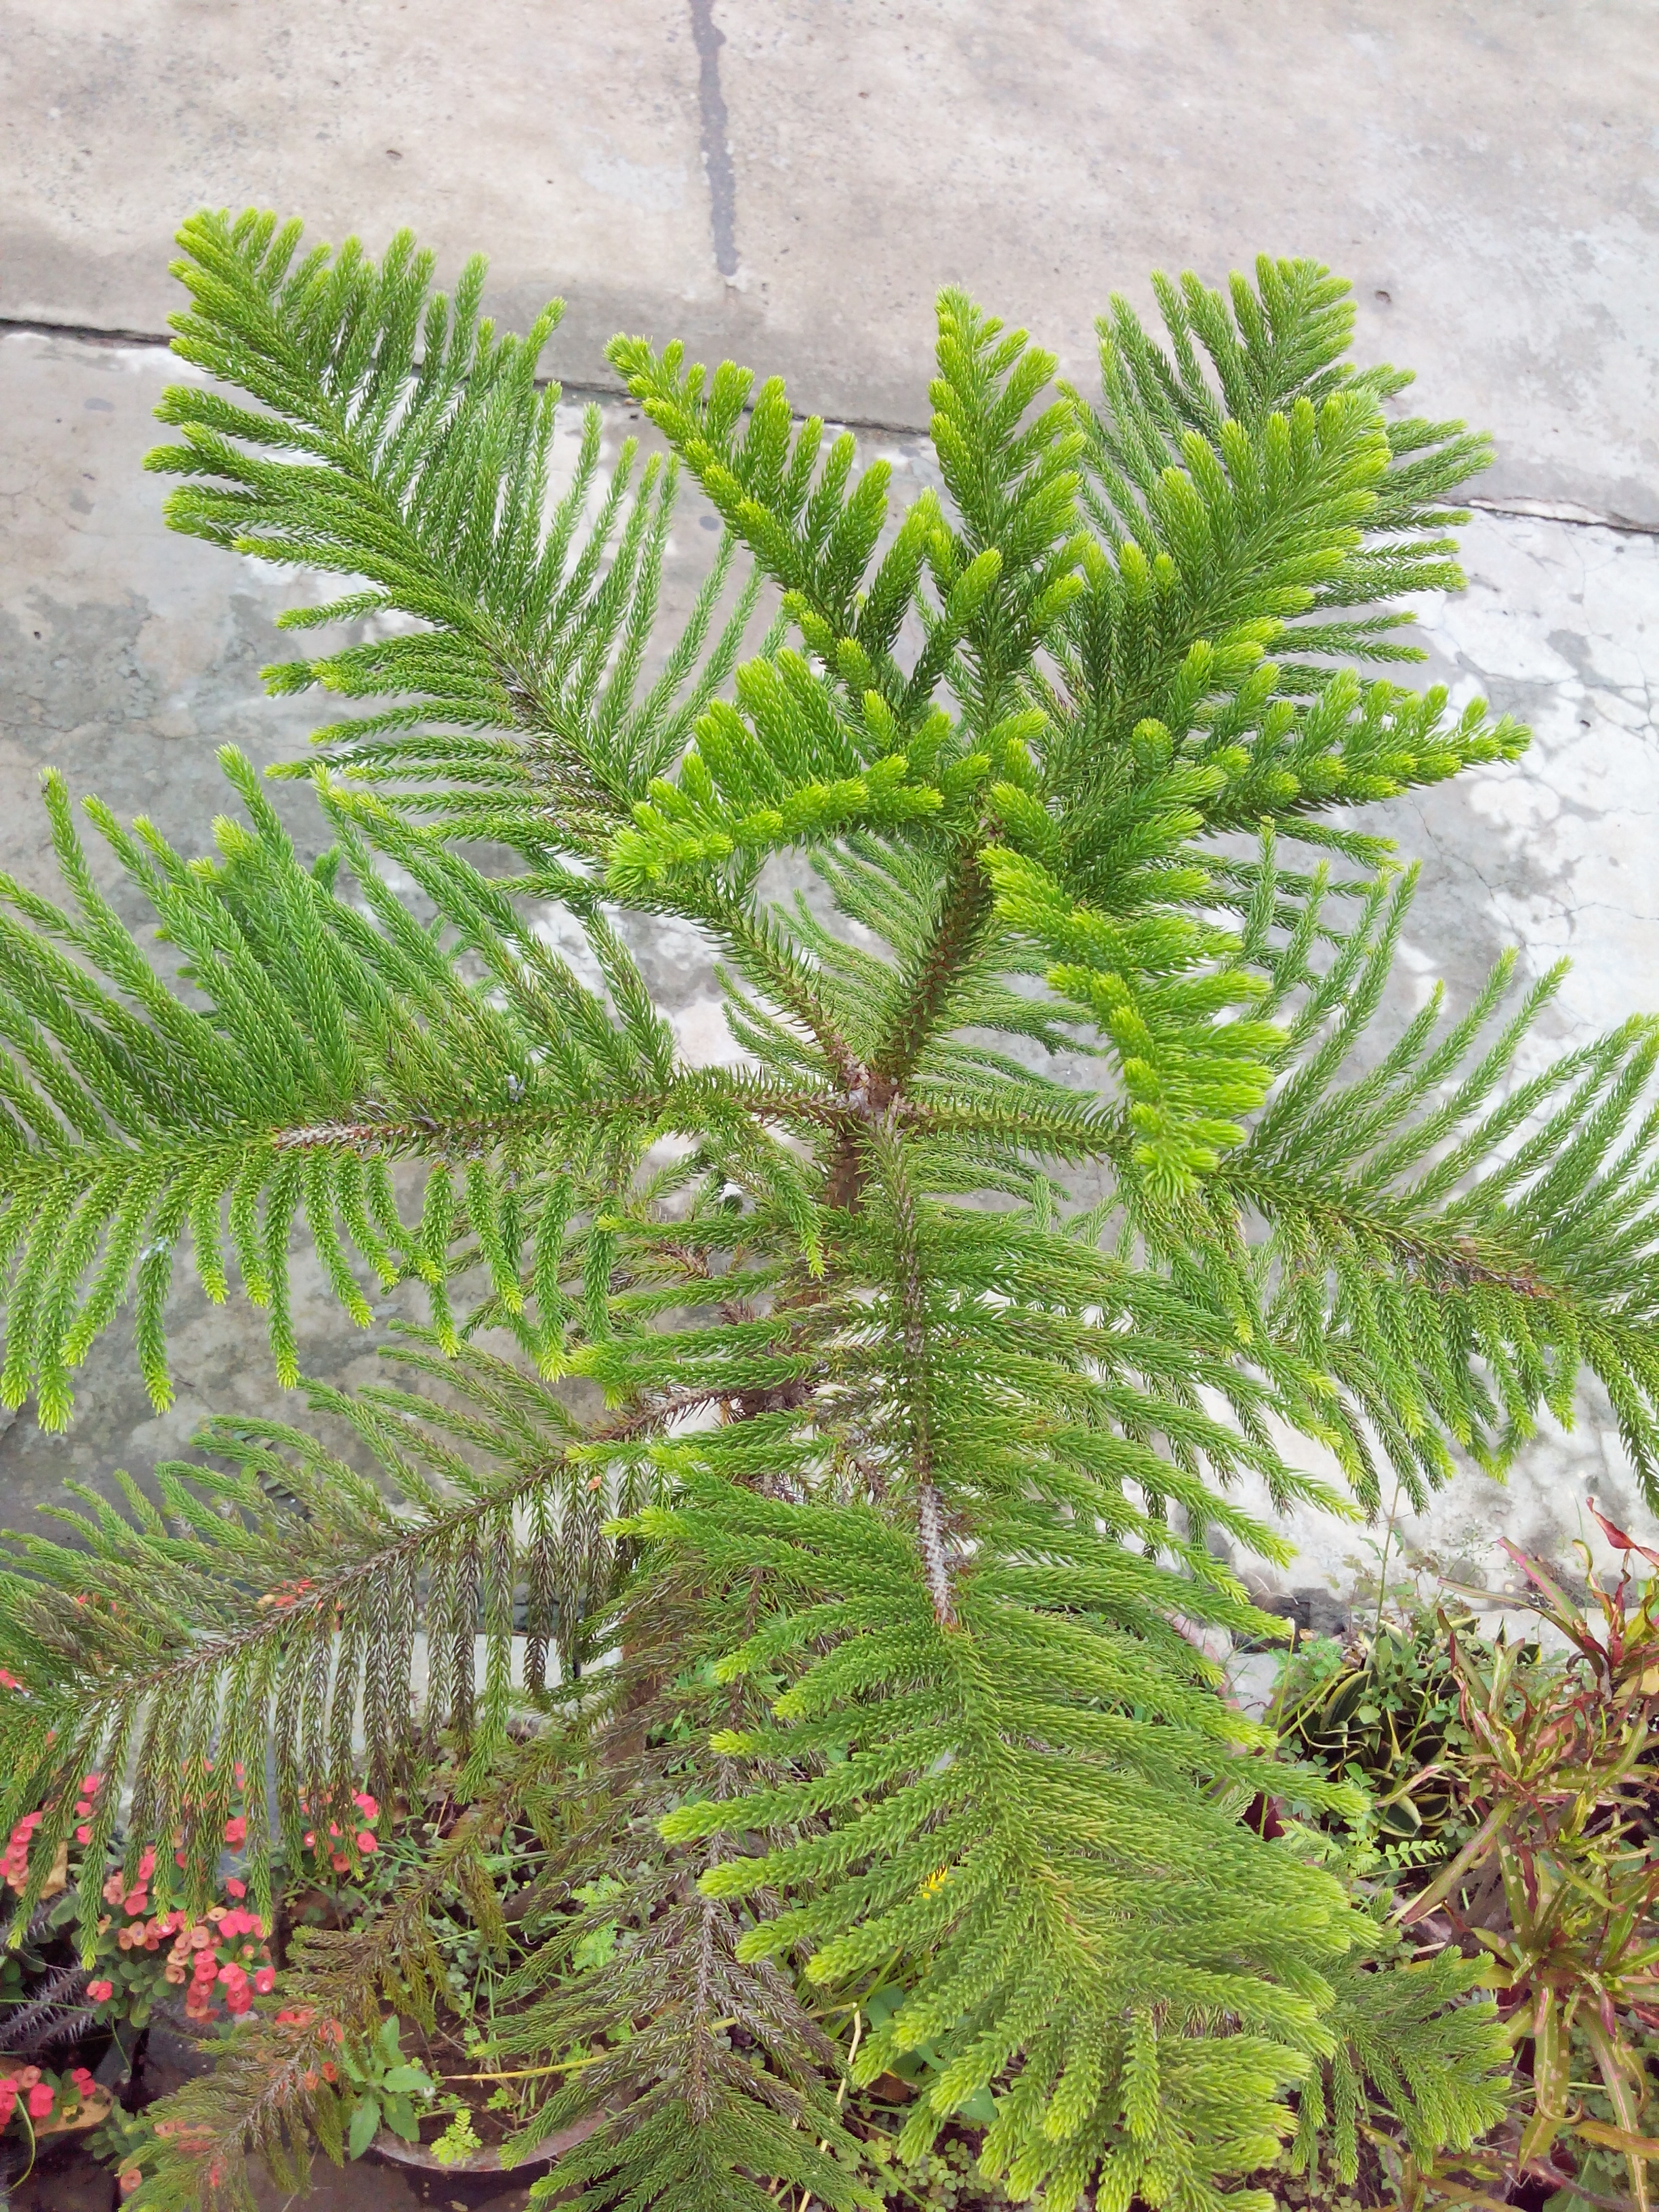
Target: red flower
236, 1829
90, 1784
367, 1806
265, 1980
8, 1681
367, 1844
40, 2099
101, 1992
234, 1888
83, 1835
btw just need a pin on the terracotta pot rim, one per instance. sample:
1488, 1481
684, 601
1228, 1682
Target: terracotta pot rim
397, 2152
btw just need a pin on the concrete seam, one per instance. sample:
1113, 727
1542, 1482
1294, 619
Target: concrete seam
1516, 509
90, 334
1522, 509
713, 125
83, 333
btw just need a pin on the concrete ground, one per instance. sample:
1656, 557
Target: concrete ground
790, 181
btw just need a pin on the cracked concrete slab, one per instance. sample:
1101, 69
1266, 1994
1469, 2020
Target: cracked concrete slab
1557, 853
790, 181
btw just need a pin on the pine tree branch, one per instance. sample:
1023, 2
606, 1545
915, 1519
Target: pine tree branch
1447, 1254
524, 627
168, 1623
964, 909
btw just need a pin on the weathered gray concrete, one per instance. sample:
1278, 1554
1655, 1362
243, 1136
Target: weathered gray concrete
790, 182
1557, 854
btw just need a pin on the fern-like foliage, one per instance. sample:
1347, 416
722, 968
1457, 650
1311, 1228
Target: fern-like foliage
799, 1506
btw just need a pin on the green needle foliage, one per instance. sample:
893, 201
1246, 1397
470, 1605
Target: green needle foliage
799, 1505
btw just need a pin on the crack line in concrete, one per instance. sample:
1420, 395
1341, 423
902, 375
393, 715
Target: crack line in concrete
1521, 509
83, 333
708, 38
1517, 508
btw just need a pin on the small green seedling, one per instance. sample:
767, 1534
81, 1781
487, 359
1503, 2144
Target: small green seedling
387, 2085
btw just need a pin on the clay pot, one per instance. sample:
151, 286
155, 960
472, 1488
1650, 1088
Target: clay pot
396, 2151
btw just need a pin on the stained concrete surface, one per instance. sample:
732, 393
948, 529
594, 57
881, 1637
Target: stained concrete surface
789, 181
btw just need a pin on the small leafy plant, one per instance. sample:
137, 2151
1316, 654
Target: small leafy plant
383, 2087
1559, 1882
1384, 1712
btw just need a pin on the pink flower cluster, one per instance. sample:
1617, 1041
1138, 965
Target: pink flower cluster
89, 1787
39, 2094
223, 1959
366, 1840
15, 1864
136, 1899
224, 1955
